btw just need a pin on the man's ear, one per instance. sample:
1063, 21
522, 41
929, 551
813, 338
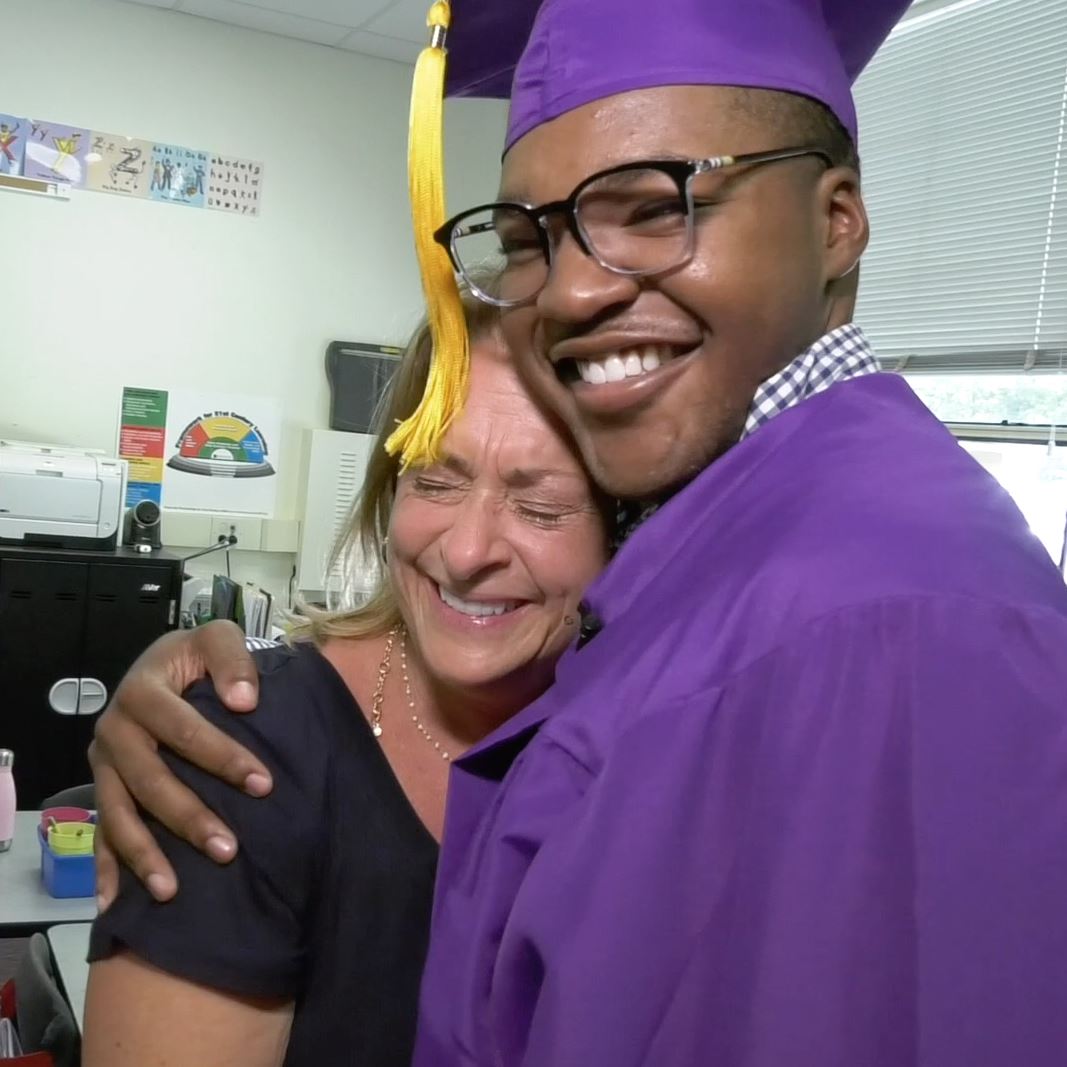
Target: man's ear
844, 214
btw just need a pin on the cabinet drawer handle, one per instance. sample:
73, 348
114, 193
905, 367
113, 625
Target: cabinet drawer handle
78, 696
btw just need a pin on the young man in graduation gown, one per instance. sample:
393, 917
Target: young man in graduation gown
800, 796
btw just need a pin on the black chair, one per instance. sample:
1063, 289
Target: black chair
77, 796
45, 1021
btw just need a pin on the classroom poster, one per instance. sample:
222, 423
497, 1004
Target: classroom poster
221, 453
142, 441
179, 175
235, 185
13, 131
55, 152
117, 164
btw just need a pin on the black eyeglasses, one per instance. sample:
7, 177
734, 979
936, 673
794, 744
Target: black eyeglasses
635, 219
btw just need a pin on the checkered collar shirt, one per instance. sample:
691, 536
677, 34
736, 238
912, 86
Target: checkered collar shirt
841, 354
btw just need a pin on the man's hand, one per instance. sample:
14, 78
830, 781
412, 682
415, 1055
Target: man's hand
147, 711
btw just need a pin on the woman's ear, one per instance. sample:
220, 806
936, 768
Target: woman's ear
846, 226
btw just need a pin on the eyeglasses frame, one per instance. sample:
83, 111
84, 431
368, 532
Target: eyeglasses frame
681, 171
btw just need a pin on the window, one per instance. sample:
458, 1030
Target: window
1016, 427
963, 136
994, 399
963, 122
1036, 477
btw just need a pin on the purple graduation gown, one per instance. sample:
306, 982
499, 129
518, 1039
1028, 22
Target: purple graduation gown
802, 802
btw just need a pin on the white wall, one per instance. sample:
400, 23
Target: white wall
100, 292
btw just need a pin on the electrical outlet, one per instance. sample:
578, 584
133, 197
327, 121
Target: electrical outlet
249, 532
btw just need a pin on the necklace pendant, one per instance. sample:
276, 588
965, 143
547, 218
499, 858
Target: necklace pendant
376, 730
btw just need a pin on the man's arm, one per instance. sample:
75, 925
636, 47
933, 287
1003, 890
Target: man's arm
138, 1016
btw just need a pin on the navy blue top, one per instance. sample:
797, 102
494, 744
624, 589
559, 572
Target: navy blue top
328, 899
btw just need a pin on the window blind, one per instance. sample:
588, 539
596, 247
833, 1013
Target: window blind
963, 138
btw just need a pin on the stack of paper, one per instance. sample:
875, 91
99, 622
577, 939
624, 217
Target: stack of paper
258, 605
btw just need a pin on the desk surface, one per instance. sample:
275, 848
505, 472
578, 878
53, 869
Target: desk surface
23, 899
70, 946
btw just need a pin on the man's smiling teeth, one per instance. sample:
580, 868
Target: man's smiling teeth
475, 608
628, 363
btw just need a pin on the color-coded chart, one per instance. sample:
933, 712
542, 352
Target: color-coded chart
142, 442
223, 444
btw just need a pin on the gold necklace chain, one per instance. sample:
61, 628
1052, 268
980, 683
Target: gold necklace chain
379, 689
378, 699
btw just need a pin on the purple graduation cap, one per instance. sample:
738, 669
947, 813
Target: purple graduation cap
551, 56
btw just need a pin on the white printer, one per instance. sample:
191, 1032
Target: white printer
60, 497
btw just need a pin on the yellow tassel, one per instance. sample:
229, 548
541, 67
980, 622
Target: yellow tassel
418, 438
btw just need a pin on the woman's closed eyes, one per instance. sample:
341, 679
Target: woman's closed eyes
436, 486
542, 512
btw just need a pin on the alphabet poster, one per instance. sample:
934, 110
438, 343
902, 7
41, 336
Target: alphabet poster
235, 185
179, 175
134, 167
55, 152
12, 143
119, 164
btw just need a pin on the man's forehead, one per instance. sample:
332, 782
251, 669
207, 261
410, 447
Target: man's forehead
662, 123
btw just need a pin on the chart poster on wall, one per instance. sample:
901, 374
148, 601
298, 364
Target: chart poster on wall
13, 131
142, 442
56, 152
235, 185
117, 164
220, 453
179, 175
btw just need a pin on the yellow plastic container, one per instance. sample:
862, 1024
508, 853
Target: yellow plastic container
71, 838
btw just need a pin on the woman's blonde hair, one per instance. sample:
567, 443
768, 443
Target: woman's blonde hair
360, 545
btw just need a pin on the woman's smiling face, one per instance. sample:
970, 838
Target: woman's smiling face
492, 547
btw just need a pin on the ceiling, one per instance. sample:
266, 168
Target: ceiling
391, 29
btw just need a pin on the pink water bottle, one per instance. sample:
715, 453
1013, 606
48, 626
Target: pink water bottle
7, 799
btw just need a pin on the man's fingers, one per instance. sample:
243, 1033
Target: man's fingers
222, 649
154, 786
122, 834
187, 733
178, 726
107, 872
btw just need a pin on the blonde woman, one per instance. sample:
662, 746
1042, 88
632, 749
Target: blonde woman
308, 947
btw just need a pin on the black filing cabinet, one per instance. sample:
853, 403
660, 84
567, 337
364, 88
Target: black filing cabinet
71, 623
